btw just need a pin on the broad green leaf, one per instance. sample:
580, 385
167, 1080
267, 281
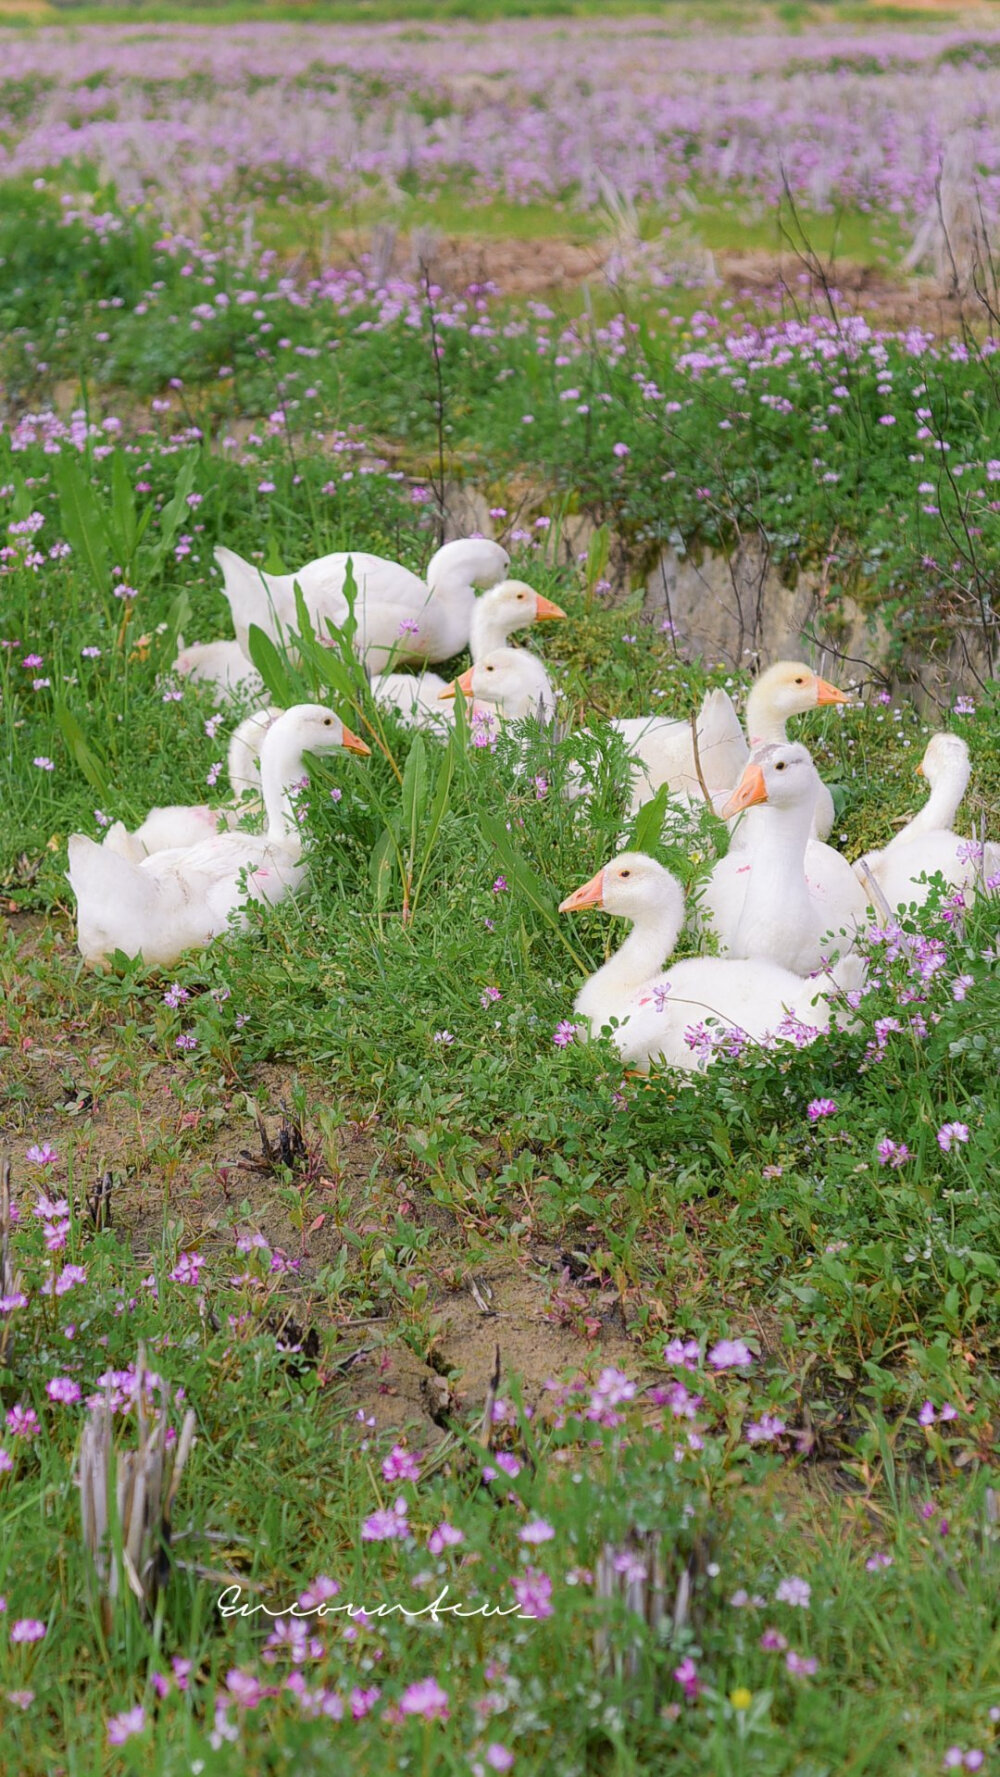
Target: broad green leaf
438, 810
648, 825
87, 759
525, 881
123, 515
271, 667
82, 517
383, 866
176, 509
414, 792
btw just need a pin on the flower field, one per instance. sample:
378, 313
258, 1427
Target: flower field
388, 1379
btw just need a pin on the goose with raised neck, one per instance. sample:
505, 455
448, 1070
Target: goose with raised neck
784, 896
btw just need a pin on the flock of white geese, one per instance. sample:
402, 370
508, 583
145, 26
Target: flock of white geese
782, 907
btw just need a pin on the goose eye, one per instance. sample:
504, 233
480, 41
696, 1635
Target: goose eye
780, 766
491, 669
624, 873
800, 681
520, 598
327, 721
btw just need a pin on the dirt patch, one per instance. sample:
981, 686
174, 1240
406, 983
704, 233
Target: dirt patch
777, 279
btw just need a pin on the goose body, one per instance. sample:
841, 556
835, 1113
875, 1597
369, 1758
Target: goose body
672, 1015
783, 897
223, 664
663, 749
928, 845
399, 616
180, 899
176, 826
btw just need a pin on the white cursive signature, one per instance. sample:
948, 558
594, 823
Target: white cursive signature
229, 1605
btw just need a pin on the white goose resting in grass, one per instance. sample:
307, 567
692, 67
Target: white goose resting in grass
180, 900
400, 617
784, 896
177, 825
663, 748
511, 683
928, 846
496, 615
222, 664
756, 1001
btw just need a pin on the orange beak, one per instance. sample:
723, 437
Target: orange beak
463, 683
546, 609
353, 744
590, 895
750, 789
827, 693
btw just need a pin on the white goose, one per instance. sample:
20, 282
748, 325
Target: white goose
177, 825
757, 1000
928, 845
400, 617
222, 664
663, 748
511, 682
181, 899
496, 615
784, 896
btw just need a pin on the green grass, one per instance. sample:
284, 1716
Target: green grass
438, 1199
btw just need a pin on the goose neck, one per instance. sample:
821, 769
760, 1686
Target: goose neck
281, 769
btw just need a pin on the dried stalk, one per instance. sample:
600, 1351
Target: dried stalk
127, 1499
10, 1279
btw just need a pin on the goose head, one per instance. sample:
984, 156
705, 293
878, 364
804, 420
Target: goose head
946, 759
511, 680
789, 688
516, 605
311, 728
632, 886
782, 776
470, 562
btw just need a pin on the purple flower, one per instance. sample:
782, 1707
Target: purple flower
64, 1390
684, 1352
500, 885
686, 1675
175, 995
892, 1153
794, 1591
186, 1041
498, 1757
926, 1415
821, 1107
43, 764
124, 1726
766, 1429
620, 450
538, 1531
800, 1665
564, 1033
876, 1562
730, 1354
27, 1629
22, 1422
773, 1642
188, 1268
533, 1591
951, 1132
425, 1698
401, 1465
387, 1523
445, 1536
41, 1156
